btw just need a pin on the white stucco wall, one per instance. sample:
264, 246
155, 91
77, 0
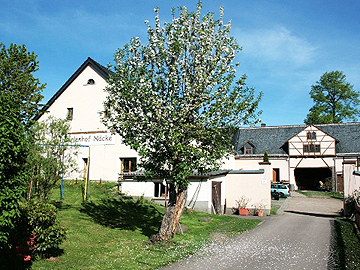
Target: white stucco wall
351, 179
255, 186
199, 192
87, 103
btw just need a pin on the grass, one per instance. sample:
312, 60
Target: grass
316, 194
112, 232
275, 205
347, 245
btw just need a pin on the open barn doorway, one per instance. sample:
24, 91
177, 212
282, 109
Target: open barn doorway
310, 178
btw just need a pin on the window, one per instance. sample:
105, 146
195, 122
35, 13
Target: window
311, 135
248, 150
312, 148
70, 113
128, 165
106, 112
159, 190
90, 82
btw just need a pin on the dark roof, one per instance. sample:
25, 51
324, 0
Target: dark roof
100, 69
273, 139
347, 135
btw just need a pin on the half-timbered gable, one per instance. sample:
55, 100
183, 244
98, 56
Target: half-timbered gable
312, 142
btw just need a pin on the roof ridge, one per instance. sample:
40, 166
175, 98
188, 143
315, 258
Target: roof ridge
301, 125
282, 126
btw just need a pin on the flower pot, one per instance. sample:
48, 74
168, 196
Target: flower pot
260, 213
244, 211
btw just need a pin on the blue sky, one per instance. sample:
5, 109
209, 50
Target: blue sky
287, 45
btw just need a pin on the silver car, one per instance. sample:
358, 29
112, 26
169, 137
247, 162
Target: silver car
282, 189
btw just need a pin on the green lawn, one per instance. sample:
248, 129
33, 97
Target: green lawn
313, 194
112, 232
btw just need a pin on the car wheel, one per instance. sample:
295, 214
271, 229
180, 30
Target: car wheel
282, 195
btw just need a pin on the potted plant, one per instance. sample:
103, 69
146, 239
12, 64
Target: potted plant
241, 205
259, 209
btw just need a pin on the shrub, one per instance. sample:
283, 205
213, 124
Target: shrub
350, 203
40, 218
266, 157
328, 183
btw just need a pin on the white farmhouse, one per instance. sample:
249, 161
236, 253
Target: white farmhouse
297, 153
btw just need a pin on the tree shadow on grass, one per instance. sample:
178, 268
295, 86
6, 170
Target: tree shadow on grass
125, 214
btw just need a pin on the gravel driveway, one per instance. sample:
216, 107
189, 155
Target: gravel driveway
299, 237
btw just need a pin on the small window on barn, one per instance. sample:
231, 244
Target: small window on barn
312, 148
248, 150
90, 82
70, 113
311, 135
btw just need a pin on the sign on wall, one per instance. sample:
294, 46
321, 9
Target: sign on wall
94, 138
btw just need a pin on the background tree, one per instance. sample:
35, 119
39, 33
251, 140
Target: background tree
19, 102
176, 102
17, 66
14, 149
334, 100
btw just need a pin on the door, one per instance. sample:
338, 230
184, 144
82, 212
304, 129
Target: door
216, 197
276, 175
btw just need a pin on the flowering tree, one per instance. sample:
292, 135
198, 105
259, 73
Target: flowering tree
53, 154
175, 101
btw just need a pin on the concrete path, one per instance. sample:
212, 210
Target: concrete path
301, 238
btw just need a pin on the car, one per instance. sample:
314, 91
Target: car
282, 189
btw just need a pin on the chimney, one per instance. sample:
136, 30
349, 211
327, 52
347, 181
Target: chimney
263, 125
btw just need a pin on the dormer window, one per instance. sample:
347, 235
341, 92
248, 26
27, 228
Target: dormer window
90, 82
311, 135
248, 148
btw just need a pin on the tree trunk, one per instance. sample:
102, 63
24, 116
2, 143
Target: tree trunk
174, 210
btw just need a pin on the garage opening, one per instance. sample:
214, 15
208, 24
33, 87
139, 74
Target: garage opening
309, 178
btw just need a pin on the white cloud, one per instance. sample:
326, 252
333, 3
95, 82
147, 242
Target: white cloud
277, 46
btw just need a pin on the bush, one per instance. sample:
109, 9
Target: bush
328, 183
40, 218
350, 203
266, 157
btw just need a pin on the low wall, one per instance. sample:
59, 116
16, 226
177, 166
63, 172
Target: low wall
254, 185
351, 182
